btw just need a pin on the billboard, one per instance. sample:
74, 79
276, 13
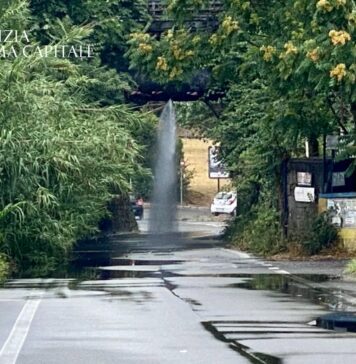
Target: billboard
216, 167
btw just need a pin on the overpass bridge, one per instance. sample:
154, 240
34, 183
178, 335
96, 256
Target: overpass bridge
204, 19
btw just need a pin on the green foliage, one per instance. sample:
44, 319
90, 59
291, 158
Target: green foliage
60, 160
182, 171
289, 72
351, 267
257, 231
4, 268
301, 51
112, 22
145, 136
322, 235
67, 148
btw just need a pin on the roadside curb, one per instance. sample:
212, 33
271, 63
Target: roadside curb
195, 207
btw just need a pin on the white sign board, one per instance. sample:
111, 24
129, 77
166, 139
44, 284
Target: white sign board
216, 167
304, 194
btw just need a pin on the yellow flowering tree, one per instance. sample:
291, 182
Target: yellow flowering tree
288, 68
298, 46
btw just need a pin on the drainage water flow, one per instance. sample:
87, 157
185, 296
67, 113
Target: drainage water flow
163, 211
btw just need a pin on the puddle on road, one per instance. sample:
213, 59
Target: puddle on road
108, 274
338, 321
301, 287
275, 282
126, 261
86, 267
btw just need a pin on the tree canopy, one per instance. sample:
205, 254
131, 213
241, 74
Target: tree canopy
288, 69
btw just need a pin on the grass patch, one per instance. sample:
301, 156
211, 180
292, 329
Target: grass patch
322, 235
196, 156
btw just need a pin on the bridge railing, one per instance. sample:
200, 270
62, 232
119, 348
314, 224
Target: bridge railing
157, 9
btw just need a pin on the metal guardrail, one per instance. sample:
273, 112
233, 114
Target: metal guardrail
156, 8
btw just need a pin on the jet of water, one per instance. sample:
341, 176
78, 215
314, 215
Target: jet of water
164, 201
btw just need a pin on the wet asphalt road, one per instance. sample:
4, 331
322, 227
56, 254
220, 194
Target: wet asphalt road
183, 298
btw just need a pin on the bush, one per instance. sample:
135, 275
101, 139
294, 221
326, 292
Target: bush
351, 267
4, 268
322, 235
258, 231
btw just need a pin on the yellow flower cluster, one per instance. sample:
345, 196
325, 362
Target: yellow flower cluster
161, 64
170, 34
175, 72
290, 48
255, 19
324, 5
172, 4
178, 53
338, 72
352, 17
268, 52
339, 37
145, 48
140, 37
214, 40
196, 39
313, 54
229, 25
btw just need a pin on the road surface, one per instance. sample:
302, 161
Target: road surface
181, 299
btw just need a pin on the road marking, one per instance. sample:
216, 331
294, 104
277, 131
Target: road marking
240, 254
262, 263
14, 343
281, 271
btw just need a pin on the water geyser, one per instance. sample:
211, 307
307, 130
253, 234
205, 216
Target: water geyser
164, 201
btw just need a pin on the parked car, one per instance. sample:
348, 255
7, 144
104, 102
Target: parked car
137, 206
224, 203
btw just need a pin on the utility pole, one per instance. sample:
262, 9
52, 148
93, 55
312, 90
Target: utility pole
182, 165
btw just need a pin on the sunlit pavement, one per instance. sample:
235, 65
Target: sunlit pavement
183, 298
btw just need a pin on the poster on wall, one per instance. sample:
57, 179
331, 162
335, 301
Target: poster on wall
338, 179
343, 211
304, 194
216, 167
304, 179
